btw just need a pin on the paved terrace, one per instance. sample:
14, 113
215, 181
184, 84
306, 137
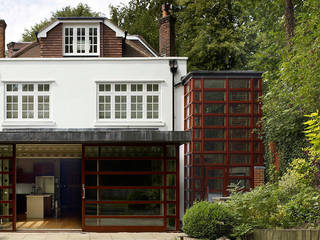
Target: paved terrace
89, 236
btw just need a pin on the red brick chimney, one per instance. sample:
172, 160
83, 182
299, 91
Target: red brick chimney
3, 26
166, 33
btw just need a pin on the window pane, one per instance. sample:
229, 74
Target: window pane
215, 173
239, 108
214, 146
197, 83
214, 133
214, 96
239, 171
239, 146
214, 83
197, 96
239, 133
213, 121
214, 108
214, 158
131, 180
131, 194
239, 83
239, 96
239, 159
130, 209
239, 121
241, 182
215, 184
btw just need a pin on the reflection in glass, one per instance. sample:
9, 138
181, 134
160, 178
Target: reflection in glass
239, 159
214, 158
214, 108
214, 146
239, 146
214, 83
239, 121
239, 96
134, 209
214, 133
213, 121
239, 171
131, 194
239, 83
124, 222
131, 165
131, 180
213, 96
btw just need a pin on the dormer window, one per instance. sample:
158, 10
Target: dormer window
81, 40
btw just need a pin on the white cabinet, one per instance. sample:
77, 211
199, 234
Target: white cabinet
38, 206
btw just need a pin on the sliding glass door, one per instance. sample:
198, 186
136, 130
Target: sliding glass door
130, 188
7, 188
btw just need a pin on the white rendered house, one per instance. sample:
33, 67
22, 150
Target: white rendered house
91, 128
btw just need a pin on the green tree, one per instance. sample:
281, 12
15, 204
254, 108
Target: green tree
293, 85
140, 17
81, 10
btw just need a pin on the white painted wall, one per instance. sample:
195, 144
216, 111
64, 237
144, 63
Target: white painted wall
73, 88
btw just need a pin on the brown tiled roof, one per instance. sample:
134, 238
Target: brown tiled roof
26, 50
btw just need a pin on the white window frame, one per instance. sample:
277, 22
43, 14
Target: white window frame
35, 93
87, 43
128, 93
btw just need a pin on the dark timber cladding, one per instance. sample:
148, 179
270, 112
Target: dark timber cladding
222, 109
92, 136
51, 46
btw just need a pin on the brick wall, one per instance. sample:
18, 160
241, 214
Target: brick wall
258, 176
51, 46
110, 45
3, 26
166, 36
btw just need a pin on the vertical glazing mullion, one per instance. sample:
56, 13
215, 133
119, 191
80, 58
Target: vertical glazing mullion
202, 165
13, 186
251, 128
164, 148
177, 189
227, 155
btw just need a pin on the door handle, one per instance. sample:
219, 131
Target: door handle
83, 192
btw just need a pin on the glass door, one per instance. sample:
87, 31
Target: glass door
215, 183
7, 188
130, 188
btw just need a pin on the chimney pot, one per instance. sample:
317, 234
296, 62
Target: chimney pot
3, 26
165, 9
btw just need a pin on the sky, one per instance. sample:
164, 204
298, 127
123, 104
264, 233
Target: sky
23, 14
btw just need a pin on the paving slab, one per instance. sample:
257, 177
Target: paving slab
88, 236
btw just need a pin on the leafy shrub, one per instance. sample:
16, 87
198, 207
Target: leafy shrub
207, 220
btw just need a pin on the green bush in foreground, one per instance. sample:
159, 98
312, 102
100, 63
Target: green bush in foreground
207, 220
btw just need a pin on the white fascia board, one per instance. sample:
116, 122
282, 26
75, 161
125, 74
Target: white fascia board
131, 81
43, 33
90, 59
119, 32
134, 37
28, 81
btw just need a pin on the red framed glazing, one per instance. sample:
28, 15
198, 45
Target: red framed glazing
254, 112
12, 187
165, 218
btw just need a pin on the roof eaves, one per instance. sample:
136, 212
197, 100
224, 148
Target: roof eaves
221, 74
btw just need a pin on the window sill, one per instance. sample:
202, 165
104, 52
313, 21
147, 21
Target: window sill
28, 123
127, 123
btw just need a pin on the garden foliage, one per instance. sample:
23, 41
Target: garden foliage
208, 220
289, 203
